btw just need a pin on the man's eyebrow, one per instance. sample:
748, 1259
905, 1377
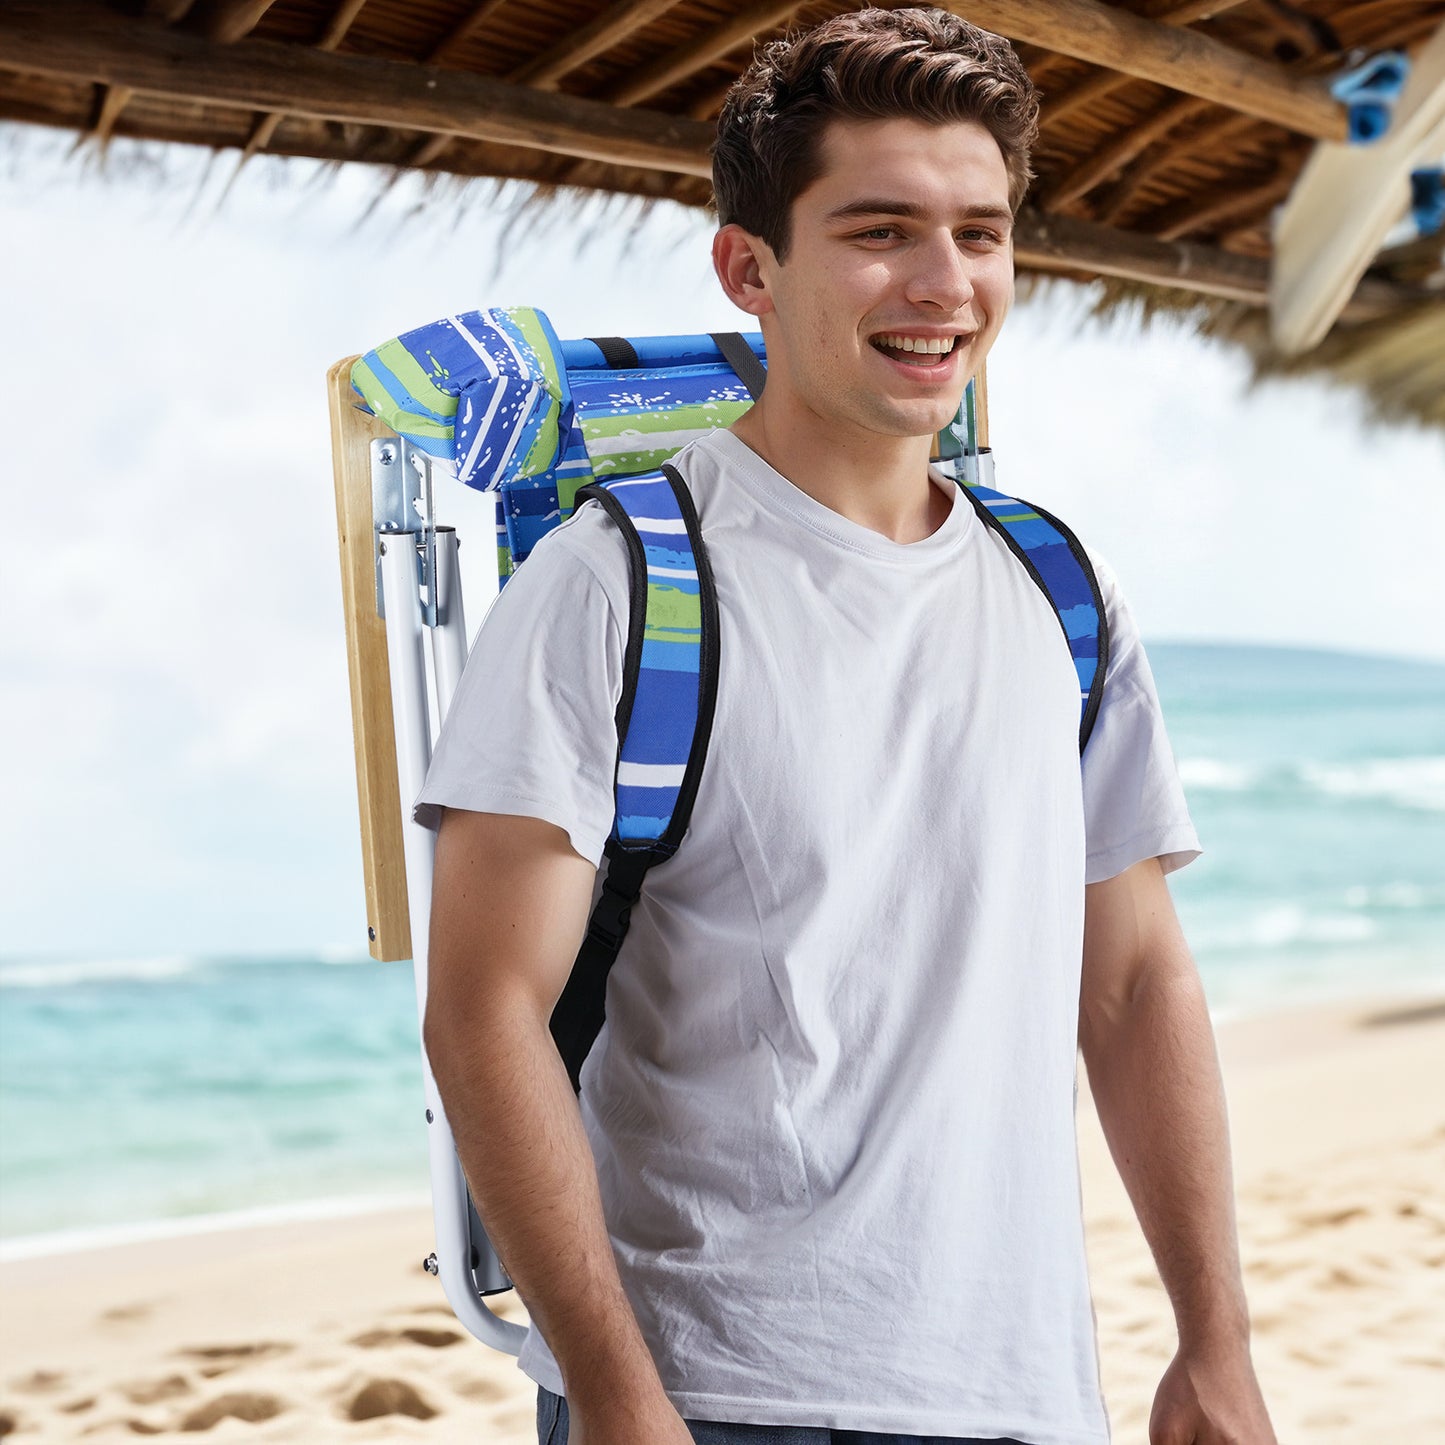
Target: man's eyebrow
888, 206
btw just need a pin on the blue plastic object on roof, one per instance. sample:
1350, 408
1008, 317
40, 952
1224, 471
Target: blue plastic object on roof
1370, 92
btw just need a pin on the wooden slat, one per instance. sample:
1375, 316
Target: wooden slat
84, 41
980, 403
377, 790
1106, 159
1058, 108
1184, 60
226, 20
620, 19
1061, 244
696, 54
342, 19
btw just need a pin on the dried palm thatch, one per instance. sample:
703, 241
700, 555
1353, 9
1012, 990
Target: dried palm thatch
1172, 129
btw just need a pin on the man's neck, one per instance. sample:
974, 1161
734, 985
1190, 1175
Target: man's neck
879, 482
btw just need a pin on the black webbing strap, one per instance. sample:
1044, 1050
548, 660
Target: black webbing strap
743, 360
617, 351
577, 1018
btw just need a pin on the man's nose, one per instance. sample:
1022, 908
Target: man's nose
941, 275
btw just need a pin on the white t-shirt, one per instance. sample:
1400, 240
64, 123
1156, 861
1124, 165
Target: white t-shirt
832, 1108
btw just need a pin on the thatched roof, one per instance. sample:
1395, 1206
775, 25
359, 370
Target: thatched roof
1172, 129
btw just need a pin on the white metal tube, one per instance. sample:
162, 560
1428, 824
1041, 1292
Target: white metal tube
449, 636
413, 751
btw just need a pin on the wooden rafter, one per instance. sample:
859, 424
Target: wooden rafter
1063, 245
267, 123
1204, 139
1058, 109
700, 52
622, 18
429, 151
1128, 143
1195, 213
1207, 139
1185, 60
84, 41
226, 20
115, 98
462, 31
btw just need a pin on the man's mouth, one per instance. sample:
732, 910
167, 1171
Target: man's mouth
915, 350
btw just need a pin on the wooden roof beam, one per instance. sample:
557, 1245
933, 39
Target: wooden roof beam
1184, 60
1104, 162
79, 40
1062, 244
619, 20
226, 20
1095, 87
268, 123
463, 31
1194, 213
699, 53
1115, 201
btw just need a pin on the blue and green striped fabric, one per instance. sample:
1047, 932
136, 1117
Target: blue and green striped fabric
499, 400
662, 725
1057, 563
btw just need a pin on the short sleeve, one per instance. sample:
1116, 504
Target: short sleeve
1134, 805
531, 730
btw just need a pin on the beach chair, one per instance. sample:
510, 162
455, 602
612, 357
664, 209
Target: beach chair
494, 400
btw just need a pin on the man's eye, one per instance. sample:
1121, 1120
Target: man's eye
979, 235
878, 233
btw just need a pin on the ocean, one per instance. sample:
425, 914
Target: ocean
155, 1094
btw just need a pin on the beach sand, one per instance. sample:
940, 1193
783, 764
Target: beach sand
331, 1331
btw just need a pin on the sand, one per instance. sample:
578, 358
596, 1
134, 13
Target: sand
331, 1331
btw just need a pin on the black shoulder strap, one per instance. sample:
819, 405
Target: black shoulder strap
617, 351
637, 844
743, 360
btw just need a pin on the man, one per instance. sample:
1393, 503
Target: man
823, 1181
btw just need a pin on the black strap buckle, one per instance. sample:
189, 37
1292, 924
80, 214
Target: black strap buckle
611, 914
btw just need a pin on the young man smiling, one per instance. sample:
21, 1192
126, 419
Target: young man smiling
823, 1182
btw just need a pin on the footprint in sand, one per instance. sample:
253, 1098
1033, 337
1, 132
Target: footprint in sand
39, 1382
387, 1397
239, 1405
149, 1392
217, 1360
126, 1314
411, 1334
8, 1424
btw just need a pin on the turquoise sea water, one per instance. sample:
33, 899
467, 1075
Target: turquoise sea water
137, 1090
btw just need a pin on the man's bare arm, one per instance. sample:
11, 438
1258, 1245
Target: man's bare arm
509, 908
1154, 1074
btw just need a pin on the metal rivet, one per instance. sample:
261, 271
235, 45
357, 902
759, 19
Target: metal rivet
430, 1117
371, 934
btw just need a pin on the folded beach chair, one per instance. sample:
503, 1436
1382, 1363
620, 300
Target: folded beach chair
495, 400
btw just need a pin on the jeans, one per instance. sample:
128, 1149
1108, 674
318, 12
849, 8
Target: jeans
552, 1430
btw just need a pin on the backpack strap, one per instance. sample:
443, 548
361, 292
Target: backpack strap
664, 721
1058, 564
740, 356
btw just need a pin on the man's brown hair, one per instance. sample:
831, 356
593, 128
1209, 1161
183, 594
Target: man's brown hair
872, 64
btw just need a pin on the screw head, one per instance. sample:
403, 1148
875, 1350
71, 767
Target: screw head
386, 455
430, 1264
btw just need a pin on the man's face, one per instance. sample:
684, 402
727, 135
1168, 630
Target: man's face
898, 275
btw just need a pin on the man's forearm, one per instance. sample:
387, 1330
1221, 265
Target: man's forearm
520, 1139
1154, 1075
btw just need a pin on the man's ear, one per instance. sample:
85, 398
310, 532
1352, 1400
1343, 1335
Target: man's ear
742, 263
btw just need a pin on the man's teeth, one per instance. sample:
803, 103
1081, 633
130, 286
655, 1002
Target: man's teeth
935, 346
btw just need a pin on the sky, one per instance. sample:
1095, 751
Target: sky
178, 774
